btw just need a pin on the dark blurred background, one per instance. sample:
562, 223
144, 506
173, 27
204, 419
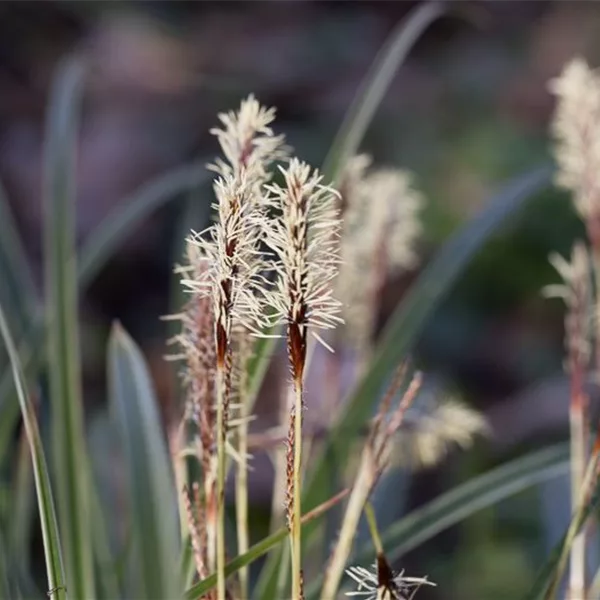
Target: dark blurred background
468, 111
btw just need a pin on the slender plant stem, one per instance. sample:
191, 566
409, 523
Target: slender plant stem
373, 529
221, 469
296, 541
241, 488
589, 480
578, 463
343, 547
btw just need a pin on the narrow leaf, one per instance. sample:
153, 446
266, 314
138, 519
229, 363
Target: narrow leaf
152, 503
68, 436
18, 294
375, 85
50, 535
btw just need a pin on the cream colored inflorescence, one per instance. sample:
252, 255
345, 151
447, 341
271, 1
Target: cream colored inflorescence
576, 129
305, 241
230, 247
370, 587
381, 224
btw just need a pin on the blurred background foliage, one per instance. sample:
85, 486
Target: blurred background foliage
468, 110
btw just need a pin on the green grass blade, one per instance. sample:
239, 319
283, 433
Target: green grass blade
375, 85
403, 330
462, 502
22, 505
108, 582
68, 435
49, 525
106, 239
18, 294
152, 503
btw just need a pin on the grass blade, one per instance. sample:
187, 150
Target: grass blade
151, 492
68, 436
375, 85
18, 294
22, 504
49, 525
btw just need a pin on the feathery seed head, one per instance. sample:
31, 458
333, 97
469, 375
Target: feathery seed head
381, 224
304, 240
248, 142
382, 583
576, 128
233, 262
429, 432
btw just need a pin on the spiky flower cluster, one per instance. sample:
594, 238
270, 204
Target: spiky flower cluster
382, 583
381, 224
230, 247
248, 142
576, 291
576, 128
305, 243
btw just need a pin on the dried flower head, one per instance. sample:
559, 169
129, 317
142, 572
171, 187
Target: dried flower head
196, 345
248, 143
576, 290
381, 583
381, 224
431, 429
374, 458
304, 240
576, 128
232, 260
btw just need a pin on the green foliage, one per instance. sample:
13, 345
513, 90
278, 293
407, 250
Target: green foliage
151, 500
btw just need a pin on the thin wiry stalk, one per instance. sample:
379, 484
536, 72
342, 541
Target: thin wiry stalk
222, 394
374, 459
297, 587
576, 291
241, 484
280, 461
589, 482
